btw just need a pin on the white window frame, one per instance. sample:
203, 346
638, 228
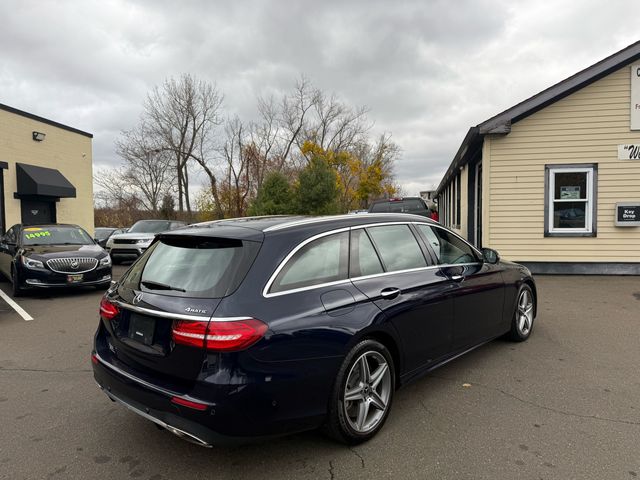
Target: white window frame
590, 211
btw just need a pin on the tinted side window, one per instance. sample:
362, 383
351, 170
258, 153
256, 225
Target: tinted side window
364, 259
320, 261
398, 247
448, 248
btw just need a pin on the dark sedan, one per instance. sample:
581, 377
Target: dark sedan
46, 256
102, 234
249, 328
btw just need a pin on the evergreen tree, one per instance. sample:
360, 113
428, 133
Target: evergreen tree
317, 191
275, 197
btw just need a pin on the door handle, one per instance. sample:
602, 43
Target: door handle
457, 278
390, 293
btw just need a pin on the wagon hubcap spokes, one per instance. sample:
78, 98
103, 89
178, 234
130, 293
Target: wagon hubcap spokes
367, 392
525, 312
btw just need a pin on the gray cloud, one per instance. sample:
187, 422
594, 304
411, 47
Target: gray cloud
426, 69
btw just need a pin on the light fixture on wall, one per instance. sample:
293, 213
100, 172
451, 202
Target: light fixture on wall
39, 136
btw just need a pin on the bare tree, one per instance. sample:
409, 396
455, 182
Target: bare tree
336, 126
238, 174
180, 118
178, 131
293, 115
114, 189
146, 169
264, 150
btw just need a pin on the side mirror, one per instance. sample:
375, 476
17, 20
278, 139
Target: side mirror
490, 255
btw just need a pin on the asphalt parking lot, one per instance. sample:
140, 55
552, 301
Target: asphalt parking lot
562, 405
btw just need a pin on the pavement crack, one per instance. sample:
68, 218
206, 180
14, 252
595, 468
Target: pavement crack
357, 455
424, 407
331, 472
544, 407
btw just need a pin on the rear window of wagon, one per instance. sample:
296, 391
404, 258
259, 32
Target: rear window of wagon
192, 266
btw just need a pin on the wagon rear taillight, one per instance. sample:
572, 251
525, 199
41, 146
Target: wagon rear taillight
219, 335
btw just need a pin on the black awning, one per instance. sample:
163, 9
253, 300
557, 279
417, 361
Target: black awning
47, 182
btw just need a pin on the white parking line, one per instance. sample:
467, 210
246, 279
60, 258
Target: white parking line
15, 306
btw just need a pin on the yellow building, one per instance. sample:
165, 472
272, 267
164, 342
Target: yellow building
554, 182
46, 171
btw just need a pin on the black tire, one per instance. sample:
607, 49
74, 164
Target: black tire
16, 289
339, 424
523, 315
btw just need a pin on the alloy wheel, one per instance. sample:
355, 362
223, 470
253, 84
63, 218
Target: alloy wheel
367, 392
525, 312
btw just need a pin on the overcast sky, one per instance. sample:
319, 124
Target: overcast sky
427, 70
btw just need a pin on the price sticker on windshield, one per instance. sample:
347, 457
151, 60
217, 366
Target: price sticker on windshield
43, 233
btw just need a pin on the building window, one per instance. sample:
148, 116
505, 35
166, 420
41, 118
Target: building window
570, 200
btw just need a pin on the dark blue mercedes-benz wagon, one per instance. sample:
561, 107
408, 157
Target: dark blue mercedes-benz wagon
246, 328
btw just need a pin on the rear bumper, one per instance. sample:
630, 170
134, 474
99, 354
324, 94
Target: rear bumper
214, 426
154, 404
146, 413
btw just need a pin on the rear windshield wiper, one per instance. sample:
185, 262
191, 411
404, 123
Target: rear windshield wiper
160, 286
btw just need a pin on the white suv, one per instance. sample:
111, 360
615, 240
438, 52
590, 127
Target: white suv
130, 245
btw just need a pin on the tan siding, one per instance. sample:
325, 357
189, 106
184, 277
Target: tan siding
585, 127
66, 151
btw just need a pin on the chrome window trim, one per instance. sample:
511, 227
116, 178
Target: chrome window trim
175, 316
312, 220
304, 221
383, 274
366, 277
302, 289
272, 278
267, 294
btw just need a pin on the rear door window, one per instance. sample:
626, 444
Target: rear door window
398, 247
192, 266
363, 258
321, 261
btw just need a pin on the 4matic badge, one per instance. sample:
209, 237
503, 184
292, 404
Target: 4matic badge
194, 310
